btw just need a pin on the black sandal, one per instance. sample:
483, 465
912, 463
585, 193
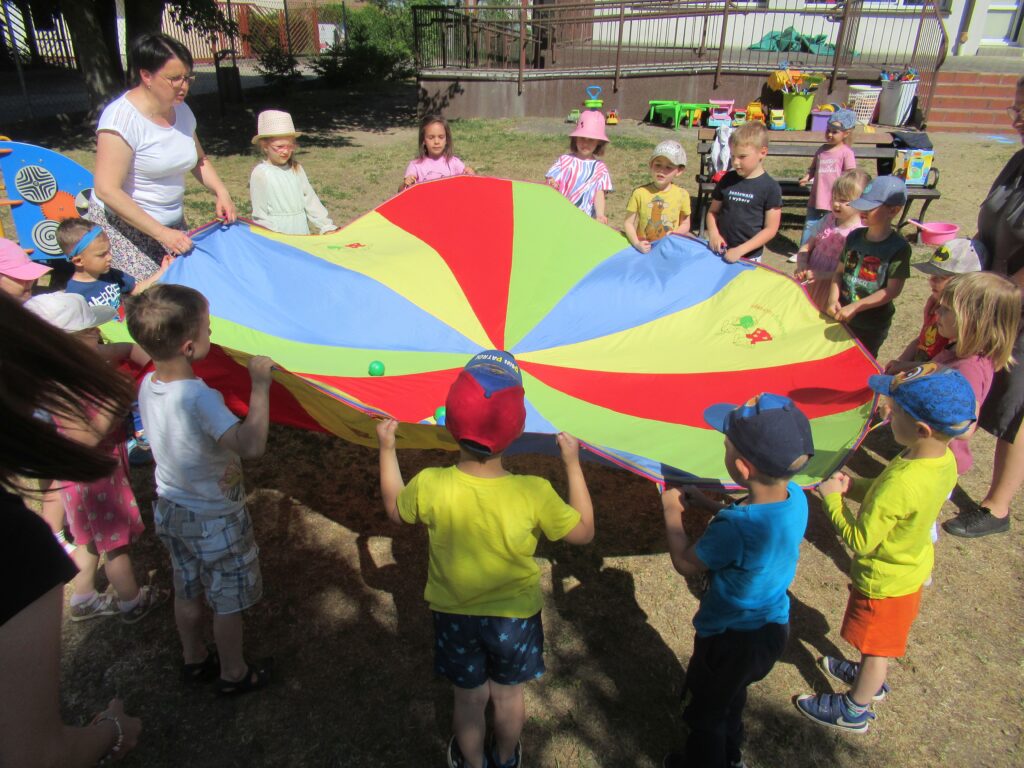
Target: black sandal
204, 671
257, 676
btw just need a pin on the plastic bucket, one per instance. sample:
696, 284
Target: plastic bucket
819, 120
797, 109
936, 233
896, 101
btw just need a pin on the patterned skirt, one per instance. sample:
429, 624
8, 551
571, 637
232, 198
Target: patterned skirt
133, 251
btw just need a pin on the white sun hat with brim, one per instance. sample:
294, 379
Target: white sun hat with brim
274, 124
69, 311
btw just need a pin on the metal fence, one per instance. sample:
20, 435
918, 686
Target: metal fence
39, 74
622, 39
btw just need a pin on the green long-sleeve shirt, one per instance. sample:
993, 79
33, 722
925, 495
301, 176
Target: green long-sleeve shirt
891, 537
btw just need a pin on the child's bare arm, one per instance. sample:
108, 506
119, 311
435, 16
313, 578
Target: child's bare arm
879, 298
680, 548
249, 438
142, 285
391, 482
579, 495
683, 227
629, 226
715, 240
599, 202
772, 219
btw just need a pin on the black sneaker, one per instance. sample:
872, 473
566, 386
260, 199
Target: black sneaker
975, 522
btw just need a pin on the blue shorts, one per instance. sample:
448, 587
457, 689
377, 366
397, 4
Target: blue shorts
470, 650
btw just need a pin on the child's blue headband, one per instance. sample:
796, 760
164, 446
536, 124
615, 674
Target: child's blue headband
87, 238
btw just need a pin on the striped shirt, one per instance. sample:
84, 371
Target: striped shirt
579, 180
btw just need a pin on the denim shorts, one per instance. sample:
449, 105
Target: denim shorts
470, 650
215, 556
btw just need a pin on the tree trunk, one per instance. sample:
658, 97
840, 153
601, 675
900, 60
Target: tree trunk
94, 61
141, 16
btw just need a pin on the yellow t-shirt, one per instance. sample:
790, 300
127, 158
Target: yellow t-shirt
483, 533
658, 211
891, 538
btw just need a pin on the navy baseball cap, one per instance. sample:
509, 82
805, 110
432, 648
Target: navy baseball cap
885, 190
769, 430
485, 406
940, 397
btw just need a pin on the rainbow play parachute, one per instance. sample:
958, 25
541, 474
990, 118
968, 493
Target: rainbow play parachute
622, 349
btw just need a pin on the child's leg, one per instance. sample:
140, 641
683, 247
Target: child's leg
52, 506
188, 618
88, 561
122, 575
469, 724
509, 717
227, 632
870, 676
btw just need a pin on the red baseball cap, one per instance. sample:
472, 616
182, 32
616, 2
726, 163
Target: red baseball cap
14, 262
485, 406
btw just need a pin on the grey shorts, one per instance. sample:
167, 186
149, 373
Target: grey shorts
215, 556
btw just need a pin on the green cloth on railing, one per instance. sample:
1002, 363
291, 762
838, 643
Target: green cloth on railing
789, 40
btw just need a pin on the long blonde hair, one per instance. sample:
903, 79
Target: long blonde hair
986, 308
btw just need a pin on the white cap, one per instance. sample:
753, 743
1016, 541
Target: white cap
272, 123
955, 257
672, 151
69, 311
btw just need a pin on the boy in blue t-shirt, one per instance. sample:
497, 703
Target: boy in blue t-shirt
88, 250
749, 552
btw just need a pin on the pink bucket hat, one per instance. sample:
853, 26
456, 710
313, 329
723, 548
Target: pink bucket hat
14, 262
590, 126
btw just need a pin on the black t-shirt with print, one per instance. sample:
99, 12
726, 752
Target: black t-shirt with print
868, 267
744, 205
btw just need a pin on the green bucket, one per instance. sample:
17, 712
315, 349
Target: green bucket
797, 109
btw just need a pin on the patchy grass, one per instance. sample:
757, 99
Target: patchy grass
343, 612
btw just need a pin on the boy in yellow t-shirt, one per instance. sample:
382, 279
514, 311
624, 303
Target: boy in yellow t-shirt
659, 208
891, 537
483, 584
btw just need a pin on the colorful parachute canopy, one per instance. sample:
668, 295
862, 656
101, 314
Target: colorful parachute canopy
622, 349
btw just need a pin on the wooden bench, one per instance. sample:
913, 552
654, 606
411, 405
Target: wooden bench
872, 146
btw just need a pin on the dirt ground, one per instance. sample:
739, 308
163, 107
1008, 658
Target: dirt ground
343, 614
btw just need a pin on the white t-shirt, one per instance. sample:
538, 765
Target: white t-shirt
184, 420
163, 155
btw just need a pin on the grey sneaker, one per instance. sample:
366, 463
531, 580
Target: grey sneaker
975, 522
846, 672
149, 598
101, 605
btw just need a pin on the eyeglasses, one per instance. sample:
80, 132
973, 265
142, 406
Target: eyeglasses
1013, 113
180, 80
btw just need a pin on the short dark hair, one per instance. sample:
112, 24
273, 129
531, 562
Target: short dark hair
152, 50
70, 231
164, 317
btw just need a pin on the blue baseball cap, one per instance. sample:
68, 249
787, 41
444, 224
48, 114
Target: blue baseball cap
885, 190
769, 430
485, 405
940, 397
844, 119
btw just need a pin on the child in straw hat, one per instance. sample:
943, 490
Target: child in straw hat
282, 198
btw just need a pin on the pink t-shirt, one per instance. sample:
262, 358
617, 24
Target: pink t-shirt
428, 169
827, 166
826, 243
978, 372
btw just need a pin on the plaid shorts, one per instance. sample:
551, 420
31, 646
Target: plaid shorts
215, 556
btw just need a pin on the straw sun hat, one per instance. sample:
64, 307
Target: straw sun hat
273, 123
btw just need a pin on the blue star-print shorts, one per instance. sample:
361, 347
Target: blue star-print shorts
470, 650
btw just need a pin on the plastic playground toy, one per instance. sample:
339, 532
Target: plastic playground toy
593, 100
573, 117
613, 117
739, 117
721, 112
755, 112
777, 120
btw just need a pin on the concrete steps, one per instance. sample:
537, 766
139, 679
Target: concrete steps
970, 102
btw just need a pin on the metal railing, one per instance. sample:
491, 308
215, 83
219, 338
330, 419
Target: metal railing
627, 39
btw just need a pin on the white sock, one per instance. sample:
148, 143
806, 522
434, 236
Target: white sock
129, 605
77, 599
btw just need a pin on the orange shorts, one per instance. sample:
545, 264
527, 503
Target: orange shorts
879, 626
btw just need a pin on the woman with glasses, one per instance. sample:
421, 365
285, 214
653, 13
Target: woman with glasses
1001, 231
145, 144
